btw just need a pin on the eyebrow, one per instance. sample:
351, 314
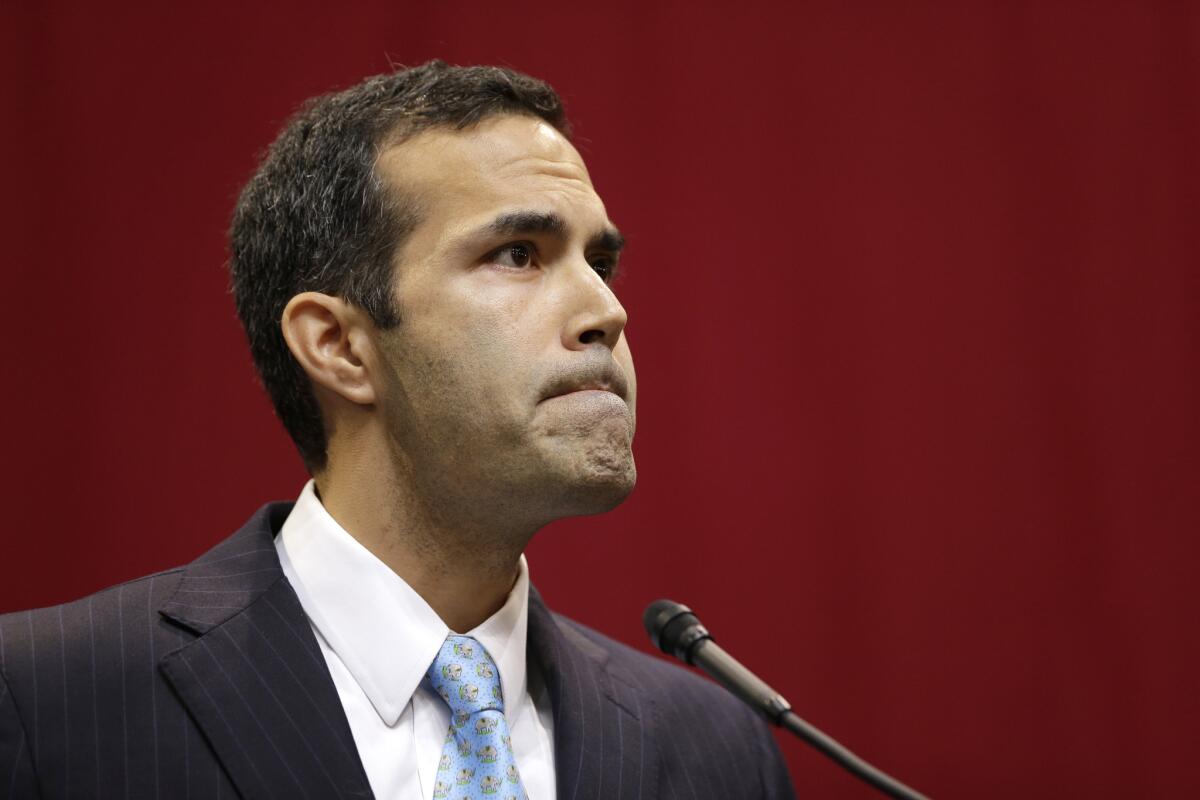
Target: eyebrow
524, 223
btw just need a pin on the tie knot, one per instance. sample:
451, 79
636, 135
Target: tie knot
466, 677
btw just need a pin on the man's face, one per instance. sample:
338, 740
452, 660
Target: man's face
508, 384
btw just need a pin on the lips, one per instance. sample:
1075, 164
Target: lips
606, 377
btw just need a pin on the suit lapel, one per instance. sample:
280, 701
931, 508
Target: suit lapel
603, 733
254, 679
256, 683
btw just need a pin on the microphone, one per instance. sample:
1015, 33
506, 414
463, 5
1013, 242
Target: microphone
676, 631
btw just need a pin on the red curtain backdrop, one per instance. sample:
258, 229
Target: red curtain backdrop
914, 296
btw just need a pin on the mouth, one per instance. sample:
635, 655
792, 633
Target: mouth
595, 388
607, 378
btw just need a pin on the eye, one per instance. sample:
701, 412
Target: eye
517, 255
605, 267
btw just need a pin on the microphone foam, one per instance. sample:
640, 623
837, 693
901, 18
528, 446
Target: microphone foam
673, 628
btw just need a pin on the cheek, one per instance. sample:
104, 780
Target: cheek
506, 335
624, 357
484, 339
474, 370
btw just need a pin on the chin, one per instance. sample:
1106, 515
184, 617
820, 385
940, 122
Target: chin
600, 486
591, 474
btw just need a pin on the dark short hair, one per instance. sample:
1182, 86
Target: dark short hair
317, 217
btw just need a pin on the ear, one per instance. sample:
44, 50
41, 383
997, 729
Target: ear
329, 337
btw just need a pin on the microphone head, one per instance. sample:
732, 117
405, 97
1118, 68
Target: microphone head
673, 628
658, 614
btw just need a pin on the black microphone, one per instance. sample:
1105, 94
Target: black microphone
676, 631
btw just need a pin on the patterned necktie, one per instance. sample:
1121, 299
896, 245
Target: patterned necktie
477, 759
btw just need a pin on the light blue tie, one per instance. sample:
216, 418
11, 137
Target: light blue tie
477, 759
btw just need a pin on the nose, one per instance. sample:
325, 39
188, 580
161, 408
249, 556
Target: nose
596, 315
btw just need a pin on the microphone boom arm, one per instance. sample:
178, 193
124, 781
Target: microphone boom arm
675, 630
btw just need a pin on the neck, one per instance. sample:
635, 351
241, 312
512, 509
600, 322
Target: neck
463, 565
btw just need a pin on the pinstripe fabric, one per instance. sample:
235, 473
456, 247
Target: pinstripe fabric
206, 681
86, 695
627, 725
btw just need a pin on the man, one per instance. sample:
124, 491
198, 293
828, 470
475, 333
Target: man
423, 270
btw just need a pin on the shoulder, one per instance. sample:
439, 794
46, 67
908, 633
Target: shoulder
679, 694
665, 680
69, 619
123, 622
119, 617
706, 728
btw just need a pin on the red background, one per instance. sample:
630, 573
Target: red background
915, 303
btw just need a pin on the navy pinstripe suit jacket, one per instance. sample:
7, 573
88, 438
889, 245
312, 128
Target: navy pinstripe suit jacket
207, 681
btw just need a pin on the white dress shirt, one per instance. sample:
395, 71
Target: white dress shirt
379, 637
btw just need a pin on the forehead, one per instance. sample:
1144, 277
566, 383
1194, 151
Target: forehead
459, 179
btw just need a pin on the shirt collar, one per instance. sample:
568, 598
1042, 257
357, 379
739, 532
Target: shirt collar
381, 629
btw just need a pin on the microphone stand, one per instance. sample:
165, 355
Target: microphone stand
677, 631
